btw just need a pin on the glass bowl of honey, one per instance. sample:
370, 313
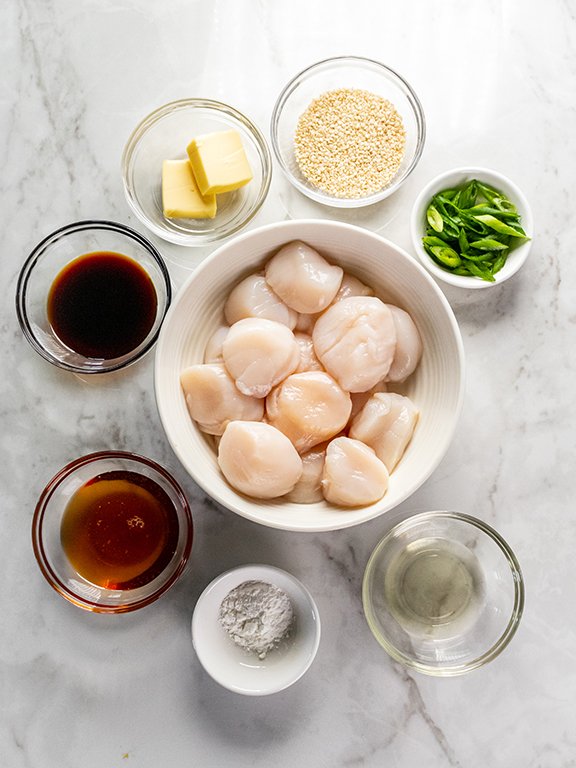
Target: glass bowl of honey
91, 297
112, 531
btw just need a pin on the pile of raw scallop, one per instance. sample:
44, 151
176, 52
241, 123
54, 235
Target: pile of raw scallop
297, 384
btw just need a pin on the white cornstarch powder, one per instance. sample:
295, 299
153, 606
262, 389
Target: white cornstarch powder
257, 616
350, 142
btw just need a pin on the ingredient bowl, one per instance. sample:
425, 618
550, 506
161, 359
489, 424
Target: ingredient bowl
234, 667
436, 386
356, 73
113, 327
165, 135
455, 178
112, 531
443, 593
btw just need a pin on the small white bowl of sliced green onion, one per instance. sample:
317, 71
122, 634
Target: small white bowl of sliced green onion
471, 227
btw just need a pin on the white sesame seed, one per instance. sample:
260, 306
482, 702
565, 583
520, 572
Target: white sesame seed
349, 142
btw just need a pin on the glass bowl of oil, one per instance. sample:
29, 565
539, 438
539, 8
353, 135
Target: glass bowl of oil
112, 531
443, 593
92, 296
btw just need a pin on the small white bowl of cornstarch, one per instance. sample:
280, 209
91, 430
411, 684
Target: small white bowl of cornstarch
256, 629
347, 131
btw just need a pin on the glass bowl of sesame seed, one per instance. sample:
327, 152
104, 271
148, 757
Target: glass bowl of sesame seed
347, 131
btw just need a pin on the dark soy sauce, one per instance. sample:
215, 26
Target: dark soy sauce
102, 305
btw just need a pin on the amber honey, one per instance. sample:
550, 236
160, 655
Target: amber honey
119, 530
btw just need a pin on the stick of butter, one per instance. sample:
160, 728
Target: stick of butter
181, 198
219, 162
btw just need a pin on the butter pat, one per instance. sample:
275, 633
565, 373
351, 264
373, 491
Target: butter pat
219, 162
181, 198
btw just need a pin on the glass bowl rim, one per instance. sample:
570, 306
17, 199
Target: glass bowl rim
155, 116
38, 520
513, 622
40, 250
413, 100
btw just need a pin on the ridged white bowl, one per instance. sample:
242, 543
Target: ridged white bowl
436, 387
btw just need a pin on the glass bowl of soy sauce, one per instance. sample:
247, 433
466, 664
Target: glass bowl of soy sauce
91, 297
112, 532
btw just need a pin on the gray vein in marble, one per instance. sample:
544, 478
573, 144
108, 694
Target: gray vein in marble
381, 748
345, 564
418, 706
61, 97
556, 271
495, 485
42, 88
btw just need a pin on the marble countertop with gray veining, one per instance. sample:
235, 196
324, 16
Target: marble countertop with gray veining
79, 690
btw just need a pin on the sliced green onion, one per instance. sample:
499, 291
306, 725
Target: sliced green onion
499, 226
488, 244
434, 219
470, 229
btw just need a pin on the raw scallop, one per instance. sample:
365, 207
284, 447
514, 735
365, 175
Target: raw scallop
305, 323
253, 297
351, 286
259, 353
353, 475
386, 424
213, 351
302, 278
309, 408
359, 399
308, 489
408, 346
308, 359
258, 459
213, 400
355, 340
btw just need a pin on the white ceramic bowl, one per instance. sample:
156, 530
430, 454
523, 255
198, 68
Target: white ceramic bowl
454, 178
234, 668
436, 386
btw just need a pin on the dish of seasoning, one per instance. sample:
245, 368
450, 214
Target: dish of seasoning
255, 629
257, 616
102, 305
350, 142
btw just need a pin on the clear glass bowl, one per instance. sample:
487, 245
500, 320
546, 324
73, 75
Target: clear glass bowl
164, 135
46, 533
345, 72
443, 593
48, 259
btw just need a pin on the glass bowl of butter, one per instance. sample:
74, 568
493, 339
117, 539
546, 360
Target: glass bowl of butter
196, 171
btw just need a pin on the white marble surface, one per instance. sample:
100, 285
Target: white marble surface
497, 81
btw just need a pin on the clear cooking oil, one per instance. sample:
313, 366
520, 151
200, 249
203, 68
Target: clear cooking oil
434, 588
